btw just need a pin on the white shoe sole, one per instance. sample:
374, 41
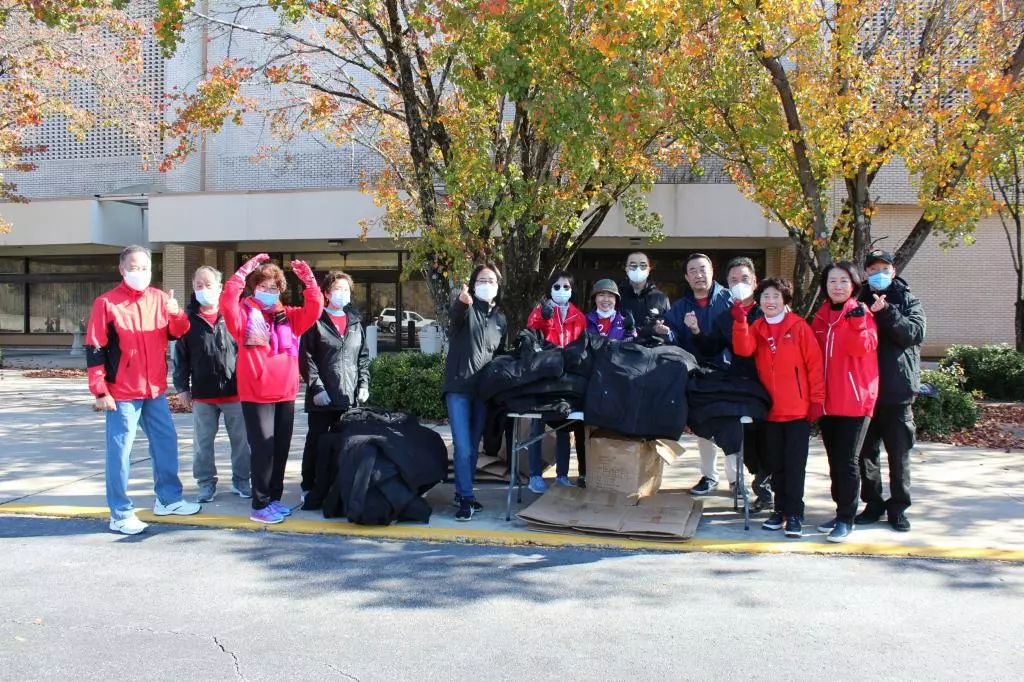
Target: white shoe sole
791, 534
837, 539
240, 493
128, 531
164, 511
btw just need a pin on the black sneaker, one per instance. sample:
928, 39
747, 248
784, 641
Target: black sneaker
465, 512
773, 522
581, 481
899, 522
704, 486
794, 527
472, 501
828, 526
840, 532
869, 515
760, 504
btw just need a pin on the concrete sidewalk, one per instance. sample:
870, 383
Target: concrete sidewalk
968, 503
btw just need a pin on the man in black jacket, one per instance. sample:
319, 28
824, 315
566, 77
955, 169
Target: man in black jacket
639, 297
901, 329
716, 345
204, 376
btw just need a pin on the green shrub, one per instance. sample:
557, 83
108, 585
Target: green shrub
953, 410
409, 382
996, 371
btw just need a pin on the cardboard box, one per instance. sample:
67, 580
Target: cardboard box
625, 465
670, 517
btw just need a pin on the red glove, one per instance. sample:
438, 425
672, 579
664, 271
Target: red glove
816, 412
738, 313
251, 264
304, 273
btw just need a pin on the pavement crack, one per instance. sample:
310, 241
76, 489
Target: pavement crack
342, 672
234, 657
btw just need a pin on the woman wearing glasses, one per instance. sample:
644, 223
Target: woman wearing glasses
476, 333
267, 334
561, 322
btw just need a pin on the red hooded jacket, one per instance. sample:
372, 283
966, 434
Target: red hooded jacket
556, 330
264, 376
126, 342
849, 345
792, 373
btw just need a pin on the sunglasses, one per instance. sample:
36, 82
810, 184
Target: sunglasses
559, 287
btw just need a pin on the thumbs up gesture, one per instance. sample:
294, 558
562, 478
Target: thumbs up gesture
172, 304
464, 295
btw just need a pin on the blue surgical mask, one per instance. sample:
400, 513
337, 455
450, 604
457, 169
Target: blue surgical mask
561, 296
266, 298
880, 281
208, 297
340, 300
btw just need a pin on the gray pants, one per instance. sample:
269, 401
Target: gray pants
205, 420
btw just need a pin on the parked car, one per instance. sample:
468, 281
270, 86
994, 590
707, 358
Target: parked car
386, 320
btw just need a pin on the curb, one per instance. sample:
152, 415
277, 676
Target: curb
525, 538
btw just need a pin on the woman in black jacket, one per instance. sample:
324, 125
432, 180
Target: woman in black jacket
335, 363
477, 332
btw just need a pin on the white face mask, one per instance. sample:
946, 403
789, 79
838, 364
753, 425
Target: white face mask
138, 280
340, 299
605, 315
637, 276
741, 291
561, 296
485, 292
208, 297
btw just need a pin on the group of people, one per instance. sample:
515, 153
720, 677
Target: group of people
854, 370
240, 353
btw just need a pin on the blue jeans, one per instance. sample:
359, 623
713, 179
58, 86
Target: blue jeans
466, 416
122, 425
561, 450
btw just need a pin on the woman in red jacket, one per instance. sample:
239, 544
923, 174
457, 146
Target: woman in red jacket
267, 334
789, 365
561, 322
848, 337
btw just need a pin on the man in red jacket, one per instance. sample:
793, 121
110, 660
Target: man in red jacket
126, 350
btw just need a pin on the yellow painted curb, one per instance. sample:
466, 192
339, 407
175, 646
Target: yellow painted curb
525, 538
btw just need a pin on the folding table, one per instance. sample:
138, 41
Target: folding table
517, 445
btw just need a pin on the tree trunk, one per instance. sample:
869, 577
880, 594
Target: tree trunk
1018, 325
806, 272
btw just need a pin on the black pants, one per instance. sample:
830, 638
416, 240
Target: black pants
269, 429
579, 436
894, 426
319, 424
843, 437
785, 458
754, 447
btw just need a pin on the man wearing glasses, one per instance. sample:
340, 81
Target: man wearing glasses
126, 351
639, 296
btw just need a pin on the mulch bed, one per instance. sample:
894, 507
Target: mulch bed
1000, 427
56, 373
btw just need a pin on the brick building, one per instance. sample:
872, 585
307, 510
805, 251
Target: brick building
91, 199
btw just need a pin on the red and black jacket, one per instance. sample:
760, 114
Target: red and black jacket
126, 343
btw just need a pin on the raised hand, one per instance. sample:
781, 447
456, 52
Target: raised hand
879, 304
690, 320
547, 310
464, 295
737, 312
304, 273
173, 308
252, 264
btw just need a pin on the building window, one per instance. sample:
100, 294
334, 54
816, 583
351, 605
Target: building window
12, 308
60, 307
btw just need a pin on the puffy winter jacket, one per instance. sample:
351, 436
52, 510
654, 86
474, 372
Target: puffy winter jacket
788, 361
126, 343
901, 331
639, 391
334, 363
640, 305
476, 333
719, 301
205, 357
556, 330
848, 338
717, 344
264, 377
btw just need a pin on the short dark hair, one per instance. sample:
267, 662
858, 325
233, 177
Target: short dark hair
850, 269
129, 250
641, 253
559, 275
476, 273
694, 256
333, 276
266, 271
740, 262
783, 287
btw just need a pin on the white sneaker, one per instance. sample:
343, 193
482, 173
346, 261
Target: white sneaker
128, 526
179, 508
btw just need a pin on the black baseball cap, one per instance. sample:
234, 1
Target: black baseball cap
876, 256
